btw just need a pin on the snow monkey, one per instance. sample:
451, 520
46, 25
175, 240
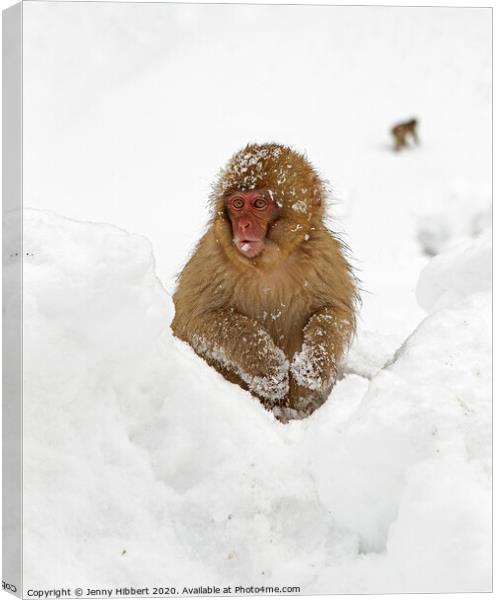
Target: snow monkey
401, 131
268, 297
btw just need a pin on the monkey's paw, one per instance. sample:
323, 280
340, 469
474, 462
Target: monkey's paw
310, 369
273, 385
272, 389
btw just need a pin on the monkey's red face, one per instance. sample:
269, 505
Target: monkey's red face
250, 215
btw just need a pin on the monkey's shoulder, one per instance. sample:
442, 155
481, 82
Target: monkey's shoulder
323, 251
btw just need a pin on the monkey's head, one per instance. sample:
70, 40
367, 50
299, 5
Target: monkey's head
267, 201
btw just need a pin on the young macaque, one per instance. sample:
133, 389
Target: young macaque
402, 131
268, 297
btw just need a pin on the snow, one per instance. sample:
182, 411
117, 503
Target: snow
143, 466
133, 443
458, 273
300, 206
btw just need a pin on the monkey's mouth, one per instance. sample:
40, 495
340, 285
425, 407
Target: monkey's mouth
249, 248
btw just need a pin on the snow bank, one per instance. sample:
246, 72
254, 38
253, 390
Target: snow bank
143, 466
457, 274
451, 217
415, 455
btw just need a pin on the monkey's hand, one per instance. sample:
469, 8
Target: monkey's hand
315, 366
240, 345
273, 385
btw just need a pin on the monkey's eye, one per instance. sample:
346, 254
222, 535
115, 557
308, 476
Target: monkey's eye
260, 203
237, 203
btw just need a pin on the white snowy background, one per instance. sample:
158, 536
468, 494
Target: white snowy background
143, 466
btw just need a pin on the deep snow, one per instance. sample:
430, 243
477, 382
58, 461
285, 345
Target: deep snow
142, 465
133, 443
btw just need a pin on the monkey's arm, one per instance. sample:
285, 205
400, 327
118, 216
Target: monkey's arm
241, 346
324, 338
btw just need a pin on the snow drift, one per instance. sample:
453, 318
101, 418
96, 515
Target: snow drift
144, 466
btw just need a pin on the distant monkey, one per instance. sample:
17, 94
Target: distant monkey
268, 297
402, 131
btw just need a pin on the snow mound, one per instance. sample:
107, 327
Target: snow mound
142, 464
446, 220
457, 274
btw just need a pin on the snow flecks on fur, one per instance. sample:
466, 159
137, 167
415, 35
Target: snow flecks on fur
311, 367
341, 324
272, 387
277, 201
248, 167
308, 365
300, 206
278, 169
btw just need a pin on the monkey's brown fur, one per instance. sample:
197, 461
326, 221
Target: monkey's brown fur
401, 131
276, 324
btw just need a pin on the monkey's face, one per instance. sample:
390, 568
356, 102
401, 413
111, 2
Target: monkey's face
250, 215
